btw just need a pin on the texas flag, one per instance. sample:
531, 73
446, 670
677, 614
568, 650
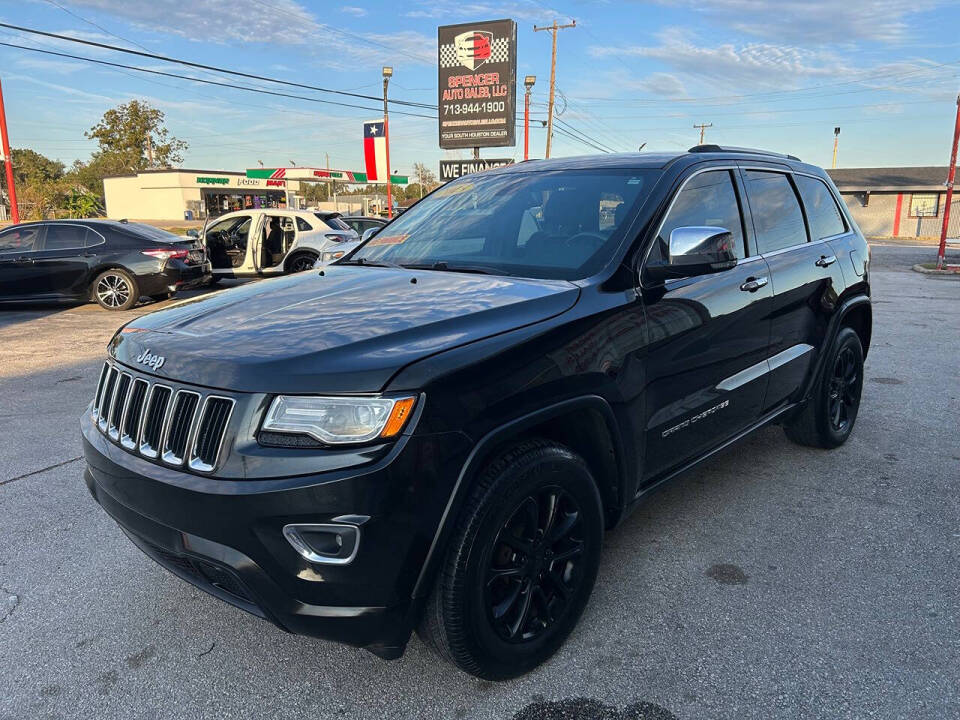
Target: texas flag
375, 151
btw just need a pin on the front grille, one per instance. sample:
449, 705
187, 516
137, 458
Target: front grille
200, 572
213, 425
175, 427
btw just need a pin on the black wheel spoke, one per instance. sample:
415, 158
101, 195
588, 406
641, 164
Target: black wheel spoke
521, 621
553, 502
568, 553
504, 606
564, 526
503, 574
517, 543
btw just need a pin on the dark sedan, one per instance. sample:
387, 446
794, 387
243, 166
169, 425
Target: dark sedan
114, 263
362, 223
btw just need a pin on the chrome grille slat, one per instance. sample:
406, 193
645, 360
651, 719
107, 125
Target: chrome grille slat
107, 399
180, 426
118, 405
130, 424
175, 426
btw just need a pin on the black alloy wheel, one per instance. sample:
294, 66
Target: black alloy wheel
827, 418
519, 570
301, 263
536, 565
844, 394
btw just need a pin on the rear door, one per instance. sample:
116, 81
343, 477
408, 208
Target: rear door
709, 335
805, 276
20, 276
64, 262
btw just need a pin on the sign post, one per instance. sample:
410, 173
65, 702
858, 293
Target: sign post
477, 71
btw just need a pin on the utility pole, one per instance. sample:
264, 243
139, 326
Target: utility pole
553, 74
836, 142
951, 175
528, 82
701, 128
149, 151
387, 74
8, 162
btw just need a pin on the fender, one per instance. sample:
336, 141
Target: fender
831, 335
472, 466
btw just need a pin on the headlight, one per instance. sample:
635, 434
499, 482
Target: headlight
331, 255
339, 420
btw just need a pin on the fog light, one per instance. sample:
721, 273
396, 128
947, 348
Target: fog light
324, 543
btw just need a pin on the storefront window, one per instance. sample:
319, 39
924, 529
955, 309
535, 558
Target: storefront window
925, 205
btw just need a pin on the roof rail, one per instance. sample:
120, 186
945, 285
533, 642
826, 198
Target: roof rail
730, 149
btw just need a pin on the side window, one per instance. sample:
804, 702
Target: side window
776, 211
19, 239
93, 238
708, 199
303, 225
64, 237
822, 212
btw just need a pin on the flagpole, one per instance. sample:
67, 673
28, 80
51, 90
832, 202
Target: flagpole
387, 73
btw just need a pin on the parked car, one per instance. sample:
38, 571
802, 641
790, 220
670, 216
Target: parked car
114, 263
336, 252
362, 223
257, 243
436, 430
336, 223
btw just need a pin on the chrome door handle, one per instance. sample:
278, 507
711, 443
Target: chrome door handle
753, 284
826, 260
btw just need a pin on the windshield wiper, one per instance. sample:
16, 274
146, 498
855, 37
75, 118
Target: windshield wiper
370, 263
447, 267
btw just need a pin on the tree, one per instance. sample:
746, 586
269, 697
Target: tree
132, 137
425, 178
39, 183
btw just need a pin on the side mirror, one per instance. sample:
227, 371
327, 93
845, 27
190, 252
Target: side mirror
368, 233
192, 233
695, 250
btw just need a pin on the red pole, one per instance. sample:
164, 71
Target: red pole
951, 174
8, 162
526, 125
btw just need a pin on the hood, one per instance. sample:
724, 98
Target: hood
347, 330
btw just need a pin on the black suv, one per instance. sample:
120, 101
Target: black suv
114, 263
434, 432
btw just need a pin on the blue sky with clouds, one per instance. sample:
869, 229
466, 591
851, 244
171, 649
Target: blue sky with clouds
777, 75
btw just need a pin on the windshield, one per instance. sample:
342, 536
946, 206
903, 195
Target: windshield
562, 225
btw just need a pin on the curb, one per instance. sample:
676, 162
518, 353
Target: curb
954, 274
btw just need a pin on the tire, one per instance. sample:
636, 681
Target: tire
505, 600
829, 416
115, 289
300, 262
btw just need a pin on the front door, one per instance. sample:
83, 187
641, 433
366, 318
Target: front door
709, 336
20, 276
804, 274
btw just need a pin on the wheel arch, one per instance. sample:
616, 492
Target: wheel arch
297, 252
854, 312
103, 267
586, 424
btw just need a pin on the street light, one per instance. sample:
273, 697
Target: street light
387, 74
528, 82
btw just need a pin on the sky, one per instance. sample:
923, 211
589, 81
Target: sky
774, 75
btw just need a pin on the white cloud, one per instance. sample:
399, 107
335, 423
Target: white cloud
665, 84
820, 21
355, 11
453, 11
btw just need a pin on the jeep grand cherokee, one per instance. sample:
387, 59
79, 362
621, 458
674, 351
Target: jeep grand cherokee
434, 432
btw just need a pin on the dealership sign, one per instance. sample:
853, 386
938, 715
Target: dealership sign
477, 64
452, 169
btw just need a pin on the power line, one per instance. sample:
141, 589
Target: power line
99, 27
233, 86
201, 66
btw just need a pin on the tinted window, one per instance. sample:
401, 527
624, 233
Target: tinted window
151, 233
231, 226
822, 211
776, 211
708, 199
303, 225
19, 239
561, 224
64, 237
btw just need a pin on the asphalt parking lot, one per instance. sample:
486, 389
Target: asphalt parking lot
770, 582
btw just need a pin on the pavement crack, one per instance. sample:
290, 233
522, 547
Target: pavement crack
8, 603
207, 651
41, 470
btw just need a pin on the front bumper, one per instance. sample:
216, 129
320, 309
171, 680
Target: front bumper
225, 536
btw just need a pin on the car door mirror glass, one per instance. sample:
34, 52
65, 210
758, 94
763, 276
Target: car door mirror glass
696, 250
192, 233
